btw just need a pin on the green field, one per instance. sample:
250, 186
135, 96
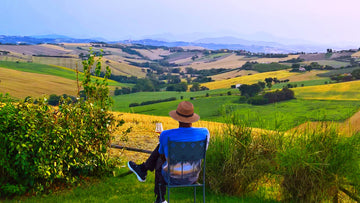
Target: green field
338, 71
280, 116
299, 83
262, 67
48, 70
122, 101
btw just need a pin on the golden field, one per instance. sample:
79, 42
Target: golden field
356, 55
232, 74
249, 79
337, 91
22, 84
143, 136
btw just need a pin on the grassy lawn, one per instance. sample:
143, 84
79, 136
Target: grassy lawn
281, 116
126, 188
48, 70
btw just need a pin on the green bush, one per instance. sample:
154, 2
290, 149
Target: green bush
40, 146
257, 100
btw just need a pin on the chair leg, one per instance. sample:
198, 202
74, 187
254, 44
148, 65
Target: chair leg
204, 193
194, 194
168, 194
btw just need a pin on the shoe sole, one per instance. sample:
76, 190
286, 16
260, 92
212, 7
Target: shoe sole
138, 177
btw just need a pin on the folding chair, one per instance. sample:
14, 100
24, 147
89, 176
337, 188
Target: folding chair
183, 152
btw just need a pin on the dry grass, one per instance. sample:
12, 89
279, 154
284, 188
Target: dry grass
232, 61
22, 84
51, 46
271, 60
143, 134
33, 50
232, 74
249, 79
312, 75
123, 68
154, 54
356, 55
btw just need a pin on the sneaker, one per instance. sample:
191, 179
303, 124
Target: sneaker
158, 200
141, 175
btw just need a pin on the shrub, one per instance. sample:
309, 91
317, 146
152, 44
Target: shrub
40, 146
277, 96
134, 104
258, 100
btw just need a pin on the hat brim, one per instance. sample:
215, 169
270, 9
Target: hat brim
177, 117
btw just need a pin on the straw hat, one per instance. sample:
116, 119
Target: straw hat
184, 113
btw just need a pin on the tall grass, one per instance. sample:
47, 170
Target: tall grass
314, 164
239, 158
317, 162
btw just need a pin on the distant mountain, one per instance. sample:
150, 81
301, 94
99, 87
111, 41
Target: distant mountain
42, 39
212, 46
213, 43
50, 36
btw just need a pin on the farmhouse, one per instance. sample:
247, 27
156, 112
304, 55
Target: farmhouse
235, 86
302, 69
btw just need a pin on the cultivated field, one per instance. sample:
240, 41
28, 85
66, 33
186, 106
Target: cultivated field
333, 63
154, 54
249, 79
143, 136
232, 74
338, 91
356, 55
21, 84
35, 50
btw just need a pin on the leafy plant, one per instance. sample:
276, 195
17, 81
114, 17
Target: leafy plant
41, 146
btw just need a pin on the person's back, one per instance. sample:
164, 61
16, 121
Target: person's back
157, 160
185, 173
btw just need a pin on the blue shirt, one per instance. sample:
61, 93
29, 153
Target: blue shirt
191, 171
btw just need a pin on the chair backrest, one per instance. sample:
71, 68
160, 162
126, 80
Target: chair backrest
186, 151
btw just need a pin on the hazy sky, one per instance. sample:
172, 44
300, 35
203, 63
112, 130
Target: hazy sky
321, 21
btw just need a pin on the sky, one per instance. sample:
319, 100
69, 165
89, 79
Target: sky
318, 21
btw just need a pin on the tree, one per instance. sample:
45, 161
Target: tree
195, 87
356, 73
250, 90
269, 82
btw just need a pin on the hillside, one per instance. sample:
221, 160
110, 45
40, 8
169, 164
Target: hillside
337, 91
21, 84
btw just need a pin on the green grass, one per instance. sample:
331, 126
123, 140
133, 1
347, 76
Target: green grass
261, 67
120, 188
279, 116
122, 101
299, 83
338, 71
333, 63
48, 70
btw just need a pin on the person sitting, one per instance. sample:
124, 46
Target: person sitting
185, 115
